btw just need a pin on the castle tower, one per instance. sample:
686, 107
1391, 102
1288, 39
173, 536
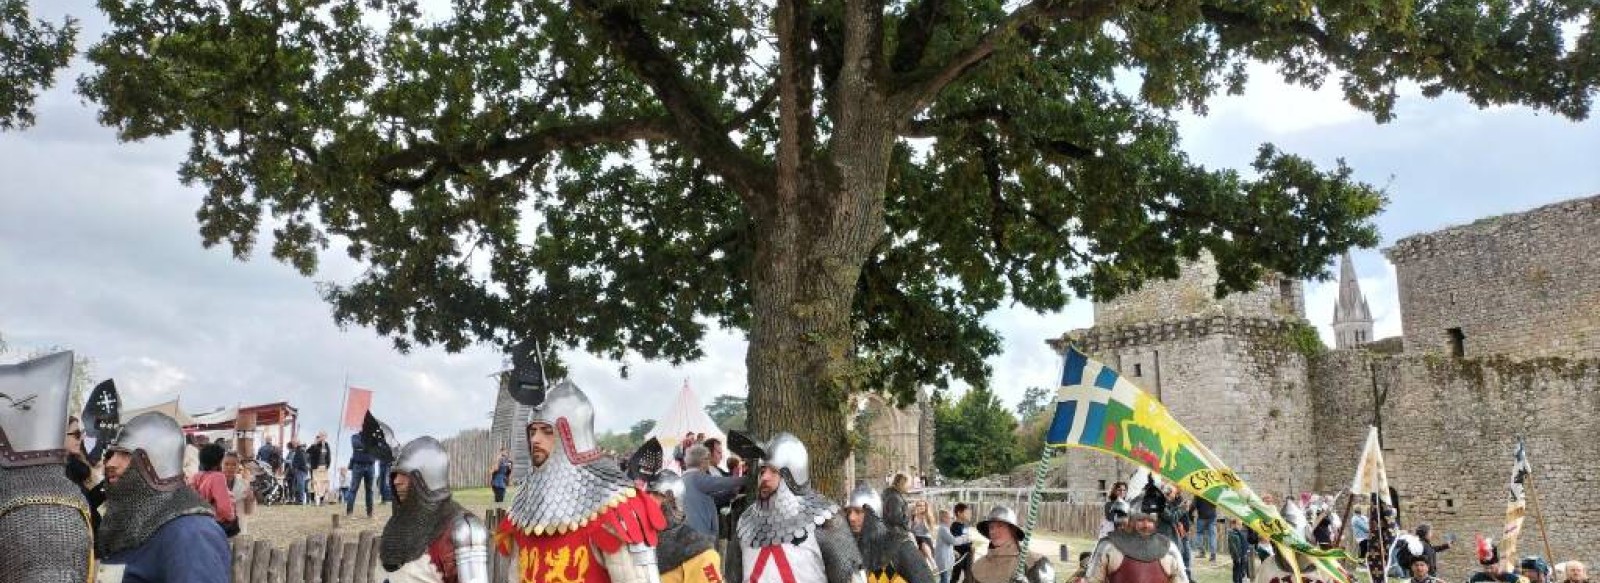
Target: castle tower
1352, 321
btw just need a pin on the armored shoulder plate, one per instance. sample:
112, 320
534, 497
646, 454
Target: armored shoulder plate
471, 540
1042, 571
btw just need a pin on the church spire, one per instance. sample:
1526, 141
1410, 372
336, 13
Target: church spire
1352, 321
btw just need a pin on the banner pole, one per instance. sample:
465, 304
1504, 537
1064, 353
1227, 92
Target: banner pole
1033, 514
1537, 514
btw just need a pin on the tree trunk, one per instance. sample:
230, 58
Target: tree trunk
808, 260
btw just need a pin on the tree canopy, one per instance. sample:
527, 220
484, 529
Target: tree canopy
975, 436
854, 183
728, 412
31, 50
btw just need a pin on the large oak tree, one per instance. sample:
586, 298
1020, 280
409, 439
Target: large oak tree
853, 183
31, 52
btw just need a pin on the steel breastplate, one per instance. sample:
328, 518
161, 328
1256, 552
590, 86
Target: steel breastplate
416, 524
559, 497
135, 510
785, 517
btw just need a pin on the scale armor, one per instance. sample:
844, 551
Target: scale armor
578, 481
44, 520
793, 513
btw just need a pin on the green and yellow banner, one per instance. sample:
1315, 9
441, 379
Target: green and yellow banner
1098, 409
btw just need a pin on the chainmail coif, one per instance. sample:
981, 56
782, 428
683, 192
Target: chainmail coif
40, 501
135, 510
417, 521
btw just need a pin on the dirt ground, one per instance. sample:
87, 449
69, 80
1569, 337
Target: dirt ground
281, 525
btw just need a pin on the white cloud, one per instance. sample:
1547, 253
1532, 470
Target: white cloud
147, 381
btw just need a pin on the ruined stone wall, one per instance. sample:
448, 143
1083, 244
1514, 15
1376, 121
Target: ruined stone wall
1237, 384
1523, 285
1194, 292
893, 443
1449, 429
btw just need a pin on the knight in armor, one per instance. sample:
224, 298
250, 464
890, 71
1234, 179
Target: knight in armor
789, 534
683, 554
1138, 556
430, 538
156, 528
889, 554
44, 520
999, 565
577, 517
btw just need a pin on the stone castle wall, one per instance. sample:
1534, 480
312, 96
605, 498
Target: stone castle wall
1523, 285
1193, 292
1236, 383
1449, 429
894, 440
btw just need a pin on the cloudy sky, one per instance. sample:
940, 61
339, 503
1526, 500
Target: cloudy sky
99, 252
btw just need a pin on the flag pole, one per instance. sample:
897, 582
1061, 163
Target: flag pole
1033, 513
1537, 514
338, 431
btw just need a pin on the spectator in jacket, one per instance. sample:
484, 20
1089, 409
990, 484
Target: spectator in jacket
1575, 572
213, 488
1204, 514
1239, 551
269, 454
360, 475
500, 477
944, 546
704, 492
320, 457
959, 527
244, 497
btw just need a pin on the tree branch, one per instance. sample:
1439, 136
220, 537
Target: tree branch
918, 89
794, 89
695, 122
744, 119
532, 146
915, 30
1232, 21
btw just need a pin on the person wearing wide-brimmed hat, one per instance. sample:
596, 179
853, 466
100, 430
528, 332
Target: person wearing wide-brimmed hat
1140, 555
999, 565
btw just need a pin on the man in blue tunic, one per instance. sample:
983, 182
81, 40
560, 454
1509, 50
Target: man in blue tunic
156, 528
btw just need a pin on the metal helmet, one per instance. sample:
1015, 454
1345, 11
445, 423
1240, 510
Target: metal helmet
33, 410
428, 463
787, 454
1119, 511
568, 411
668, 482
1002, 515
156, 443
866, 498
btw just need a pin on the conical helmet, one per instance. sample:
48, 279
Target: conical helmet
428, 464
33, 410
865, 497
156, 443
567, 410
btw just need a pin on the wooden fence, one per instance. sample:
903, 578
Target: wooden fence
333, 557
1070, 512
472, 455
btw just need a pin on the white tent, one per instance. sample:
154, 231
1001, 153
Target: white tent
169, 408
685, 415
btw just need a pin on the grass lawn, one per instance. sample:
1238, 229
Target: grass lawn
476, 499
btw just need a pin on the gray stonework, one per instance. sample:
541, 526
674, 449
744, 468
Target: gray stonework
1449, 428
1523, 289
1236, 383
1193, 292
1525, 284
896, 438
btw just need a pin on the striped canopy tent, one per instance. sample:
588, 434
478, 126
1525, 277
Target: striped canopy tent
685, 415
